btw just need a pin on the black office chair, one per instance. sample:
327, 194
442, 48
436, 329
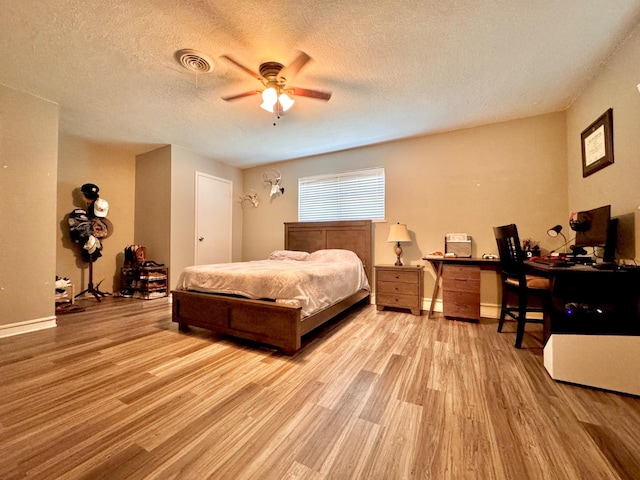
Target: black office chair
521, 293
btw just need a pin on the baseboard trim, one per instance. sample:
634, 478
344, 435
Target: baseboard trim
487, 310
27, 326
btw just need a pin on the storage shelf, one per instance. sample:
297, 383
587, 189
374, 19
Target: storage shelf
143, 282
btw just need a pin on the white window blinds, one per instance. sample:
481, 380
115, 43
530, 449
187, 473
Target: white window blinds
357, 195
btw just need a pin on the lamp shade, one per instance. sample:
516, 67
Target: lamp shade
269, 99
553, 232
398, 233
286, 101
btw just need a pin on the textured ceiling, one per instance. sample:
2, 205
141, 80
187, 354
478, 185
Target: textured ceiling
395, 68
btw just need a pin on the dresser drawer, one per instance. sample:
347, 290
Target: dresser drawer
460, 285
398, 288
461, 304
403, 301
461, 272
398, 276
461, 291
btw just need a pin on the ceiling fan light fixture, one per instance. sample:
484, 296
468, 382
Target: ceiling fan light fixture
267, 106
285, 101
276, 97
269, 96
269, 99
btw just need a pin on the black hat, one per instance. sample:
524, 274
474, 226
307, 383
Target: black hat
90, 191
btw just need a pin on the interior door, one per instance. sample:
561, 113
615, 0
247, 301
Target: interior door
213, 219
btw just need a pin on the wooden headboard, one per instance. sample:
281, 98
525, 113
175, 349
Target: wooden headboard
354, 235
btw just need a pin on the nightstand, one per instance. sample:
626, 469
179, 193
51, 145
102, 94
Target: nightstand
399, 287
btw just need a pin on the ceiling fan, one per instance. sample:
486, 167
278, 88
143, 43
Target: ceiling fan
276, 95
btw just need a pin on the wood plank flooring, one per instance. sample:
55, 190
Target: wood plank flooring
117, 392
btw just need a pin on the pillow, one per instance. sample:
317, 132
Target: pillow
333, 255
288, 255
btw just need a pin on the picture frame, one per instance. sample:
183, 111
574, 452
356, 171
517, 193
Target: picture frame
597, 144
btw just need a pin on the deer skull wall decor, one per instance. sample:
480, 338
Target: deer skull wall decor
251, 197
273, 178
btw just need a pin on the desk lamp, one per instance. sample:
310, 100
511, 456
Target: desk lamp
554, 232
398, 233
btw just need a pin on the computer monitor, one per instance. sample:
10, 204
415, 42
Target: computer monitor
594, 228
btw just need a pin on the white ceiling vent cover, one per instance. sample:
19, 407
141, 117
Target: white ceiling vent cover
194, 61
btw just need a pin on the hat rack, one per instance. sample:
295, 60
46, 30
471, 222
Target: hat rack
96, 208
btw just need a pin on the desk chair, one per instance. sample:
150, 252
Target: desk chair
521, 293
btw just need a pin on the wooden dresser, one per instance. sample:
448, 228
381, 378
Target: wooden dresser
399, 287
461, 291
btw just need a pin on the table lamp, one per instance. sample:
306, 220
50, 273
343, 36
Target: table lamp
554, 232
398, 233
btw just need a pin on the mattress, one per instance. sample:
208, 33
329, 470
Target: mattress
311, 281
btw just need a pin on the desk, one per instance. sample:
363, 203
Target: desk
592, 326
461, 286
587, 300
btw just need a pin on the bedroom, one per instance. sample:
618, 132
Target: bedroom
525, 170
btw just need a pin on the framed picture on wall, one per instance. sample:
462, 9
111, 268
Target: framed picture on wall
597, 144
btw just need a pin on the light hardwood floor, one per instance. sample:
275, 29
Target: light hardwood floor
117, 392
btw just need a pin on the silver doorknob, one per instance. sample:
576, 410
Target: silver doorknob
200, 239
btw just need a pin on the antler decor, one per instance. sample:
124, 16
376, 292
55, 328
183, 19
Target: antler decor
273, 178
252, 197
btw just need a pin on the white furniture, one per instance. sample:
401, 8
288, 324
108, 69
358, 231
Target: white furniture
610, 362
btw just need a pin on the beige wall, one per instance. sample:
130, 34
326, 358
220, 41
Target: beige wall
462, 181
617, 184
28, 176
165, 205
184, 165
153, 204
113, 171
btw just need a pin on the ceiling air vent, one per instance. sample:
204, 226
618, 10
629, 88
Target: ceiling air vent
194, 61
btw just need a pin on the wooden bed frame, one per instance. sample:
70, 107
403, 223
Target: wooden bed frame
269, 322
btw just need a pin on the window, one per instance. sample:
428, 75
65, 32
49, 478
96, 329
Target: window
355, 195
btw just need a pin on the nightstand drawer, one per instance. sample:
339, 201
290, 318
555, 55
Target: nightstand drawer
398, 276
398, 288
403, 301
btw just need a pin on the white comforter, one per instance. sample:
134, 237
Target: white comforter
312, 281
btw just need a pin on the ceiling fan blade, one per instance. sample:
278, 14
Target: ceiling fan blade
305, 92
291, 70
241, 95
255, 75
